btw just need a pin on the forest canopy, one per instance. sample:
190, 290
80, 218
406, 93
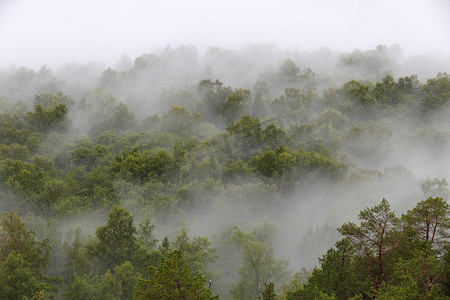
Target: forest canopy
205, 179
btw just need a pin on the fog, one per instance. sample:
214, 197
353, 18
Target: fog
56, 32
124, 65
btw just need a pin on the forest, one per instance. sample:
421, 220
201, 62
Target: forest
252, 174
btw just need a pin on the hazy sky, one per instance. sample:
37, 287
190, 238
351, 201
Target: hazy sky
36, 32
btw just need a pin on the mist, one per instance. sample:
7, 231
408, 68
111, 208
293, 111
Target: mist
350, 100
53, 33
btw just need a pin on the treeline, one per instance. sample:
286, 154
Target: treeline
244, 154
386, 257
124, 261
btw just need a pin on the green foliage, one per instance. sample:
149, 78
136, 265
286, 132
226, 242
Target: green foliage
51, 100
311, 162
374, 239
146, 234
78, 257
430, 222
258, 267
222, 103
23, 260
386, 258
313, 294
44, 119
23, 178
247, 135
144, 257
180, 121
106, 113
217, 146
172, 279
119, 284
10, 135
295, 106
289, 70
387, 91
232, 107
269, 292
134, 165
415, 278
116, 240
87, 154
15, 236
359, 93
437, 94
17, 281
235, 171
163, 207
213, 95
274, 136
81, 288
197, 253
336, 274
14, 151
98, 186
279, 164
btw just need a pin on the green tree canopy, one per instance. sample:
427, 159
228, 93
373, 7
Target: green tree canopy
116, 240
172, 279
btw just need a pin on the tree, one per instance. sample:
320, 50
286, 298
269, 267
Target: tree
436, 94
233, 105
116, 240
180, 121
44, 119
247, 135
279, 164
359, 93
387, 91
436, 188
17, 280
274, 136
337, 273
109, 78
235, 171
14, 151
24, 178
135, 165
374, 239
384, 258
118, 285
289, 72
430, 221
311, 162
415, 278
77, 256
261, 95
314, 293
197, 253
258, 266
172, 279
146, 234
16, 237
51, 100
213, 95
82, 288
269, 292
23, 260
